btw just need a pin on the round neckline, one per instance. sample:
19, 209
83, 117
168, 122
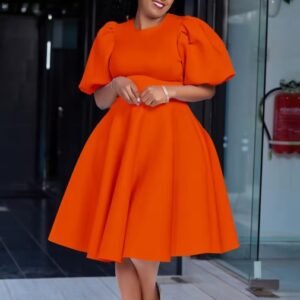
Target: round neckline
149, 28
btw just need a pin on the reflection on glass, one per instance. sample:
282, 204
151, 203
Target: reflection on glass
262, 192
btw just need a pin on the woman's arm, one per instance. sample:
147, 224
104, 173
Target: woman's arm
105, 96
119, 86
191, 93
155, 95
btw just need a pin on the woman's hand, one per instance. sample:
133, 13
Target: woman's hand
126, 89
153, 96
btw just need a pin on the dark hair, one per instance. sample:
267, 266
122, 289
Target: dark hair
132, 8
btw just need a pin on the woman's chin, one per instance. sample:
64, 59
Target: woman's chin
156, 11
156, 14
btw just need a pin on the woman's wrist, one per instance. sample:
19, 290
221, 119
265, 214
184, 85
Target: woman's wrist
166, 93
112, 86
171, 91
191, 93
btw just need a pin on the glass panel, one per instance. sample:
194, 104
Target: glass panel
246, 29
268, 226
280, 205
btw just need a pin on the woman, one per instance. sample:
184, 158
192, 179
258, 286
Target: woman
148, 184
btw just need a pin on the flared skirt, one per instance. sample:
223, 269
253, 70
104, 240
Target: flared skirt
147, 184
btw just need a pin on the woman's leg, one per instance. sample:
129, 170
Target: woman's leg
128, 280
147, 272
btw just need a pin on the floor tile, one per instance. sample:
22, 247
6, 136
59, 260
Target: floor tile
8, 267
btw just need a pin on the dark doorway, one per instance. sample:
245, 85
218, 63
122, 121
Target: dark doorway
62, 108
19, 102
41, 108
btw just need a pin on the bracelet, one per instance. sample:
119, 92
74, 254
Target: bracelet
111, 85
166, 92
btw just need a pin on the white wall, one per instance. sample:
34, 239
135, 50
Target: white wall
280, 219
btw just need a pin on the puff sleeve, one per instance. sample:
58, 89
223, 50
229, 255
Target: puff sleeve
96, 72
203, 53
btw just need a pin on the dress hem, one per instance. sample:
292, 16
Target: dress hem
145, 257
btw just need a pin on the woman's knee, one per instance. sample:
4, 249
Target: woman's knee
141, 263
124, 263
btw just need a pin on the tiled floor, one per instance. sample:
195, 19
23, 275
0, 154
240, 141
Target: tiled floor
207, 282
286, 270
82, 288
221, 284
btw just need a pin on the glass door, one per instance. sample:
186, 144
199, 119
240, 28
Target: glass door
61, 109
264, 191
245, 34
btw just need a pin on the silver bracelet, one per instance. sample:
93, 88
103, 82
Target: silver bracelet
111, 85
166, 92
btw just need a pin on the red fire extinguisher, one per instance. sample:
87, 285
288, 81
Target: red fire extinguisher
286, 119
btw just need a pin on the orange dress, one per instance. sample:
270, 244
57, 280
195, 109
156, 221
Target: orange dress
148, 182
